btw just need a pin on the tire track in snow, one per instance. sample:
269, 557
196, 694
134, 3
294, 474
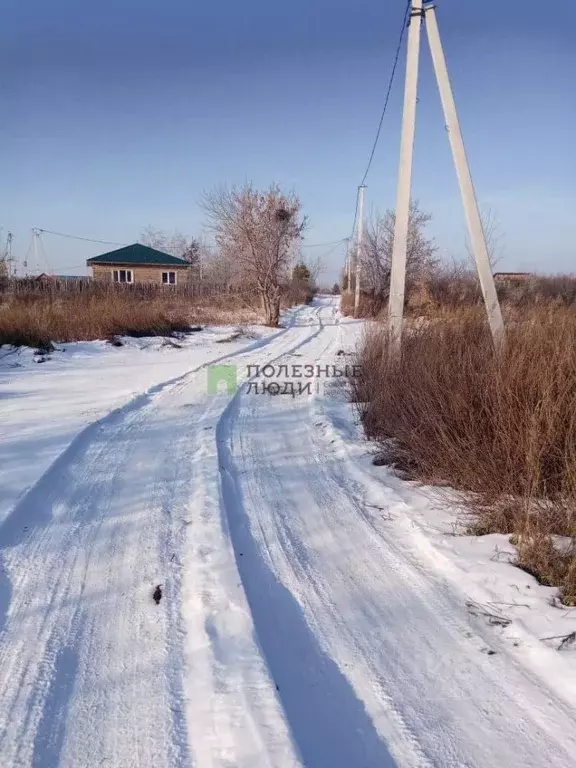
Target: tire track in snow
329, 724
231, 686
60, 528
400, 636
15, 528
446, 598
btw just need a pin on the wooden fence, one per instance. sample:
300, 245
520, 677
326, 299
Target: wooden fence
54, 287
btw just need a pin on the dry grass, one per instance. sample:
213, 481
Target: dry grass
369, 306
38, 321
455, 288
503, 428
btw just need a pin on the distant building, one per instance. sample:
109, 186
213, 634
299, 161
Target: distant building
139, 264
44, 276
511, 278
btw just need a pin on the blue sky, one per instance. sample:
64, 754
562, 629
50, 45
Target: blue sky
117, 115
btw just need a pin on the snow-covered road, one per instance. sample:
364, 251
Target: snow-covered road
295, 628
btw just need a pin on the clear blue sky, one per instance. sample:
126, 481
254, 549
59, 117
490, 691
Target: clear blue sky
118, 114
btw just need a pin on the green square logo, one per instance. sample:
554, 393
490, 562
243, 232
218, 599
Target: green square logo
222, 378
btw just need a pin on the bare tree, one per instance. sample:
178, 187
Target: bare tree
192, 249
259, 231
4, 256
175, 243
316, 268
219, 269
376, 256
493, 236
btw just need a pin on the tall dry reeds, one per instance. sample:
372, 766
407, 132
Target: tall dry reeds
40, 320
501, 427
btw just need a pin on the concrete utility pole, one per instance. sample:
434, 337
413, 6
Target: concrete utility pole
473, 219
359, 247
476, 233
347, 264
402, 220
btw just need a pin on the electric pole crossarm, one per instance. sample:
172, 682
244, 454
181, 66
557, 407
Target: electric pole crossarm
398, 271
472, 213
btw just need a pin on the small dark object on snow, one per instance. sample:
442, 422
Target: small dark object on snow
170, 343
44, 348
157, 596
116, 342
195, 329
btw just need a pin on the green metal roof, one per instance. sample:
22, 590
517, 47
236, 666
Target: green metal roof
137, 254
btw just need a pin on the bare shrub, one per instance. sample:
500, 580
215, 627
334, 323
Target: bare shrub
504, 428
559, 290
452, 286
376, 256
369, 305
456, 285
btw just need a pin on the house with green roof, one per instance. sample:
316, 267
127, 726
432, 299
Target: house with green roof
139, 263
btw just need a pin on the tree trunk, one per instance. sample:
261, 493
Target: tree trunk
271, 308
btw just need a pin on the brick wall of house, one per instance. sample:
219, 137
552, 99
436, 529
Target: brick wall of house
149, 274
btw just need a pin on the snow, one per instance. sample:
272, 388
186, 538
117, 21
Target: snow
316, 611
44, 406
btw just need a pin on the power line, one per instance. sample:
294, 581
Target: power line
76, 237
388, 92
383, 113
355, 219
73, 266
331, 251
324, 245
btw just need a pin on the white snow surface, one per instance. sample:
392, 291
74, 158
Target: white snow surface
316, 610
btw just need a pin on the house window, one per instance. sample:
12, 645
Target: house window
168, 278
122, 276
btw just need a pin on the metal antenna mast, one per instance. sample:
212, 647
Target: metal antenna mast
9, 257
419, 14
35, 239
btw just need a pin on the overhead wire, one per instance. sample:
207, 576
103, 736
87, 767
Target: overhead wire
331, 251
76, 237
336, 243
378, 132
355, 219
324, 245
43, 254
389, 91
382, 115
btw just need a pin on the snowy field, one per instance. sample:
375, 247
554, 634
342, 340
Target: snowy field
316, 610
